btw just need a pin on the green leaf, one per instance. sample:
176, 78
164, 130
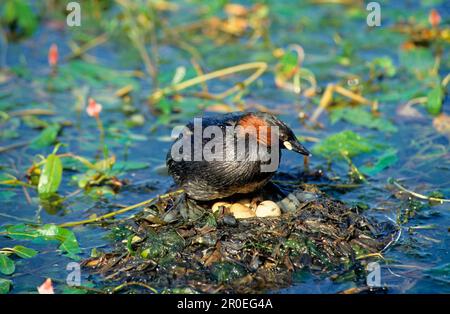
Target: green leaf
7, 266
21, 12
69, 243
129, 165
51, 176
5, 285
47, 137
346, 142
105, 165
288, 62
384, 161
24, 252
74, 290
418, 60
359, 116
434, 101
165, 106
384, 65
94, 74
48, 232
21, 232
27, 18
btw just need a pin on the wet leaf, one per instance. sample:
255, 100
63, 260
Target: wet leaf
7, 266
5, 285
434, 100
384, 161
105, 164
130, 165
383, 65
346, 142
20, 12
24, 252
359, 116
21, 232
95, 73
48, 232
77, 289
288, 63
46, 138
51, 176
417, 60
227, 271
69, 243
165, 106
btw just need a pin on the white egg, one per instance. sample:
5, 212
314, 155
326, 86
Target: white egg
268, 209
240, 211
219, 205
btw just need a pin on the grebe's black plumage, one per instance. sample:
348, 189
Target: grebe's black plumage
209, 180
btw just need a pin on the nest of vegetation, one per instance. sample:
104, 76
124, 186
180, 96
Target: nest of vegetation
213, 253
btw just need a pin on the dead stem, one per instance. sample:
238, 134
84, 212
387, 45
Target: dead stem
16, 218
32, 112
327, 99
379, 255
134, 283
79, 51
420, 196
200, 72
445, 80
27, 195
407, 109
120, 211
259, 66
353, 168
137, 38
13, 146
353, 96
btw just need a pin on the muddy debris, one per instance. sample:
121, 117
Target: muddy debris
201, 250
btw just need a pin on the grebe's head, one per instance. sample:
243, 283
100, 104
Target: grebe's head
287, 138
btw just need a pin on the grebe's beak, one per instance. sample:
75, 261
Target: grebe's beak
297, 147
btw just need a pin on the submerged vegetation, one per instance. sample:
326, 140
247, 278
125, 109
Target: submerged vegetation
86, 114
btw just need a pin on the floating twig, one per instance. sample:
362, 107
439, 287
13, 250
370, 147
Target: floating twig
418, 195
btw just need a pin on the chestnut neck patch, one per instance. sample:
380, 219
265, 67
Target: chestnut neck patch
261, 127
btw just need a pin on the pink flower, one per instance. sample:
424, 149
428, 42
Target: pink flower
46, 287
53, 55
434, 18
93, 109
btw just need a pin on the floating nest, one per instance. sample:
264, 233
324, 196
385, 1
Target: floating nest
175, 247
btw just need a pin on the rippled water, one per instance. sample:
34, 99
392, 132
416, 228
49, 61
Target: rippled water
417, 263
